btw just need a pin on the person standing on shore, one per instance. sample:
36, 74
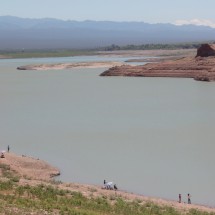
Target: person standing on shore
179, 198
8, 148
188, 198
115, 187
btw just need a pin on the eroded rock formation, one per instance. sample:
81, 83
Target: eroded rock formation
199, 68
206, 50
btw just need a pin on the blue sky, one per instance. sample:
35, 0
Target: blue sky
151, 11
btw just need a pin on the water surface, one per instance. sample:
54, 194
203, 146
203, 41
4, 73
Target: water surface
153, 136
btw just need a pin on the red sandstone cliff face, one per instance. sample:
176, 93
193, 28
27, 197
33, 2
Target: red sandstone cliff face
199, 68
206, 50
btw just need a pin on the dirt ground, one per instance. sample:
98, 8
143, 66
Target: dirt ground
28, 167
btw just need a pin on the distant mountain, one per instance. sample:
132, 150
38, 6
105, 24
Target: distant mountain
47, 33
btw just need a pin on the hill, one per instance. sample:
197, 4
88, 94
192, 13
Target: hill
47, 33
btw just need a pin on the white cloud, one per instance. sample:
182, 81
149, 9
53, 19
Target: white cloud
204, 22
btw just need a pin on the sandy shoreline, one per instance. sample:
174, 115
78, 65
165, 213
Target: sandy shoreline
143, 56
60, 66
34, 171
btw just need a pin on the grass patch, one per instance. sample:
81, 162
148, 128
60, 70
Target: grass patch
93, 190
8, 173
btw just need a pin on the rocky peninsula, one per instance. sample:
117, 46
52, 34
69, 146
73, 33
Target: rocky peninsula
200, 67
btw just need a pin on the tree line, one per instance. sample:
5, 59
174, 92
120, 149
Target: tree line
152, 46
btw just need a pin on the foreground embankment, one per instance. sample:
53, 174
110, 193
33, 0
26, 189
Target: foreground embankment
26, 187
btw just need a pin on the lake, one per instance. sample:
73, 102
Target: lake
151, 136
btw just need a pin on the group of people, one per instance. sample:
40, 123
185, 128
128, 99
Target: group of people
112, 186
2, 152
109, 186
188, 198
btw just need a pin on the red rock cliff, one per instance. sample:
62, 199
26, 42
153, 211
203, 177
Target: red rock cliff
206, 50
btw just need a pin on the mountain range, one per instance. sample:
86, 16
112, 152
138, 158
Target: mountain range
48, 33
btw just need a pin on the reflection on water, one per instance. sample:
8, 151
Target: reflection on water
152, 136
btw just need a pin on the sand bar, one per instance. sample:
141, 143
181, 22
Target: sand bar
60, 66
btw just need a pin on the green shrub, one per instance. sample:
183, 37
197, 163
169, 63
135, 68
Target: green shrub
6, 185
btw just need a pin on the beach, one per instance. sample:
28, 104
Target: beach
60, 66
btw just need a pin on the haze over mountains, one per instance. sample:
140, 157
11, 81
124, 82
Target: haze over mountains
47, 33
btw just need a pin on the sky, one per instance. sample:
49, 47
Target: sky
150, 11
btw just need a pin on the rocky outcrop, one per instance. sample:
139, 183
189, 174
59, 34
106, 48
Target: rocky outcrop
199, 68
206, 50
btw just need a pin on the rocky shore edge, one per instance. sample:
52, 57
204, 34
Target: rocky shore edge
34, 172
200, 67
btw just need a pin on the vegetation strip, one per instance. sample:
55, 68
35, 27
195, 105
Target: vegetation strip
46, 199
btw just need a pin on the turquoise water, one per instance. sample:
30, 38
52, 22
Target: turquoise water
152, 136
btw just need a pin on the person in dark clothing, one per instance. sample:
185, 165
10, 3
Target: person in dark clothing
188, 198
179, 198
104, 182
115, 187
8, 148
